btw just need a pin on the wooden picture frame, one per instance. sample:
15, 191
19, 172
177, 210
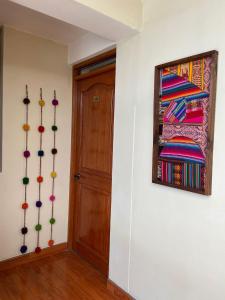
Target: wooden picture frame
183, 131
1, 93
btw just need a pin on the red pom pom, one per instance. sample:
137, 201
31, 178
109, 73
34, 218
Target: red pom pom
41, 129
24, 205
40, 179
37, 250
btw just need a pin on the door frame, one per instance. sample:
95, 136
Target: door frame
73, 163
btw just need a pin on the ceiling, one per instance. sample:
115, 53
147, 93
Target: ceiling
28, 20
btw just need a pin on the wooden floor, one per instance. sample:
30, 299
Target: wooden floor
58, 277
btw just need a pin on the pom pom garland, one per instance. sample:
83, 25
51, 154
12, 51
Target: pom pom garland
42, 103
23, 249
24, 230
54, 128
26, 180
52, 198
41, 153
41, 129
52, 221
54, 151
37, 250
40, 179
25, 205
53, 174
55, 102
38, 203
38, 227
51, 243
26, 127
26, 154
26, 101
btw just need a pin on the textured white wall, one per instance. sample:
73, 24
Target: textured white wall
87, 46
38, 63
112, 19
126, 11
177, 240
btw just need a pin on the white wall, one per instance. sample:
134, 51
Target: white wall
38, 63
176, 249
126, 11
87, 46
109, 19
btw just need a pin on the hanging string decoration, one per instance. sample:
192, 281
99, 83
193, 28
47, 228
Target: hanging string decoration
40, 178
26, 154
53, 174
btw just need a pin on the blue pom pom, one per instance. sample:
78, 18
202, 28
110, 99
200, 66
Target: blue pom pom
41, 153
23, 249
38, 203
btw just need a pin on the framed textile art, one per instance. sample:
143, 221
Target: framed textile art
184, 111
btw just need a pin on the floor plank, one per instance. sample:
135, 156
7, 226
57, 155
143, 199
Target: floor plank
62, 276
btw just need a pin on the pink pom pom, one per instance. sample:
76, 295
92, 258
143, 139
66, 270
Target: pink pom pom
52, 198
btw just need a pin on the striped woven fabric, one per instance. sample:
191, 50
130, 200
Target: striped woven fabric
182, 174
192, 175
175, 113
182, 149
174, 87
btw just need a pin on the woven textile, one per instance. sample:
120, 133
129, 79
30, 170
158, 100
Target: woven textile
182, 174
183, 123
175, 113
175, 87
182, 149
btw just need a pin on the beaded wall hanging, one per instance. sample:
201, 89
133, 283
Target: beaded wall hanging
40, 179
54, 151
26, 154
184, 112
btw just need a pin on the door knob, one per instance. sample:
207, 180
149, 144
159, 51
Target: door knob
77, 176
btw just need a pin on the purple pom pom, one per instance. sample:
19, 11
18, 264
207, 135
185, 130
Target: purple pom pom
55, 102
26, 154
38, 203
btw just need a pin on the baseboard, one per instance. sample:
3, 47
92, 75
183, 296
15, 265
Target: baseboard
119, 293
30, 257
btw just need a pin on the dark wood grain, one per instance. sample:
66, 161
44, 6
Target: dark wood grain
92, 145
211, 121
31, 257
63, 276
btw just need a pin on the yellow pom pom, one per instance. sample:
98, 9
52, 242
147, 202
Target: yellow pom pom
53, 174
42, 103
26, 127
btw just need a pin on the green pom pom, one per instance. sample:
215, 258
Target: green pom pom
54, 128
38, 227
52, 221
25, 180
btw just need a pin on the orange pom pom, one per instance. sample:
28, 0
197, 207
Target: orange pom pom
51, 243
26, 127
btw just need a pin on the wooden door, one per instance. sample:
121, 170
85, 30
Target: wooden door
93, 167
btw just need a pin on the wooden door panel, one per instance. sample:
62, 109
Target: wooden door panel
94, 136
97, 108
93, 220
